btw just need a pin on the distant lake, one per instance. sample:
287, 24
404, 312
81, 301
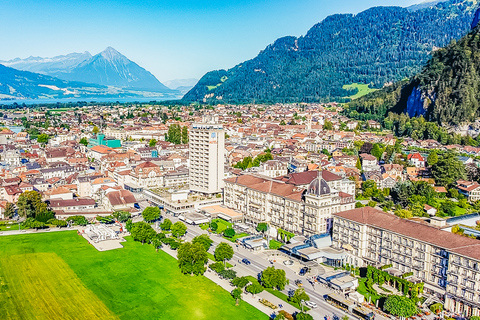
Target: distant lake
122, 100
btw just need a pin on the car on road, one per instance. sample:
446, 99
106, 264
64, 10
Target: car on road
246, 261
311, 304
298, 283
303, 271
288, 262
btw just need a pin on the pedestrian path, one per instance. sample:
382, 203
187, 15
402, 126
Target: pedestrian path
254, 300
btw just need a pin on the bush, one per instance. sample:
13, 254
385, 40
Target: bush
227, 274
78, 220
57, 223
217, 267
213, 226
229, 233
359, 205
437, 307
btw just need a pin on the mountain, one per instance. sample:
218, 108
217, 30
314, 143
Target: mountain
377, 46
48, 66
28, 85
181, 84
446, 91
17, 84
111, 68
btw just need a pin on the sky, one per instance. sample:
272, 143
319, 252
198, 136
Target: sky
174, 39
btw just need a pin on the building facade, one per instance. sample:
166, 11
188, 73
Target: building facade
447, 263
305, 211
207, 149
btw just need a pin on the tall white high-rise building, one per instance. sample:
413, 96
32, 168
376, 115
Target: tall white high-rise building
207, 148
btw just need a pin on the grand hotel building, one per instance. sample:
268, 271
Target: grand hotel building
447, 263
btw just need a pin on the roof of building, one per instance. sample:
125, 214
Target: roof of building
59, 203
422, 232
269, 186
121, 197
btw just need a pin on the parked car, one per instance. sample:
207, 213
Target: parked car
136, 206
246, 261
311, 304
288, 262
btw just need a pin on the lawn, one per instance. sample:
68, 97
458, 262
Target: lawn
133, 283
274, 244
363, 89
42, 286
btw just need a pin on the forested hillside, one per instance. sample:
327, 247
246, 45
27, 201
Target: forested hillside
377, 46
447, 91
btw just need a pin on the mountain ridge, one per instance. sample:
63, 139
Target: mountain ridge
377, 46
108, 68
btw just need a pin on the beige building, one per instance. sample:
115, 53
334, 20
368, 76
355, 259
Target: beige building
207, 148
286, 206
447, 263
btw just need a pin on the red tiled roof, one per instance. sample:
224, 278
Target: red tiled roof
443, 239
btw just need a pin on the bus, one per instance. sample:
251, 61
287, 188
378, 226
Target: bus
350, 306
363, 313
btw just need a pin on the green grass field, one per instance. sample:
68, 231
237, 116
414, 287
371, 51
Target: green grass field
363, 89
42, 286
60, 273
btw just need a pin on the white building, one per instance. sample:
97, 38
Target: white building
448, 264
207, 148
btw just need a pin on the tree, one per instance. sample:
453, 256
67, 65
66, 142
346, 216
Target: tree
84, 141
299, 295
151, 214
9, 210
166, 225
179, 229
95, 130
240, 282
217, 267
142, 231
185, 135
30, 204
274, 278
44, 216
43, 138
122, 216
156, 243
400, 306
204, 240
359, 164
283, 315
262, 227
306, 316
237, 295
377, 152
448, 169
404, 214
327, 125
213, 226
366, 148
192, 258
223, 252
254, 288
152, 143
432, 158
229, 233
371, 203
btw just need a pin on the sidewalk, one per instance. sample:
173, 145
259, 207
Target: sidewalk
246, 297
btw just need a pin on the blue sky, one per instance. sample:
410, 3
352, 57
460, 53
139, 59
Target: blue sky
172, 39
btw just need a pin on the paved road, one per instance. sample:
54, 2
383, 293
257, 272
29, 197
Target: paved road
259, 263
